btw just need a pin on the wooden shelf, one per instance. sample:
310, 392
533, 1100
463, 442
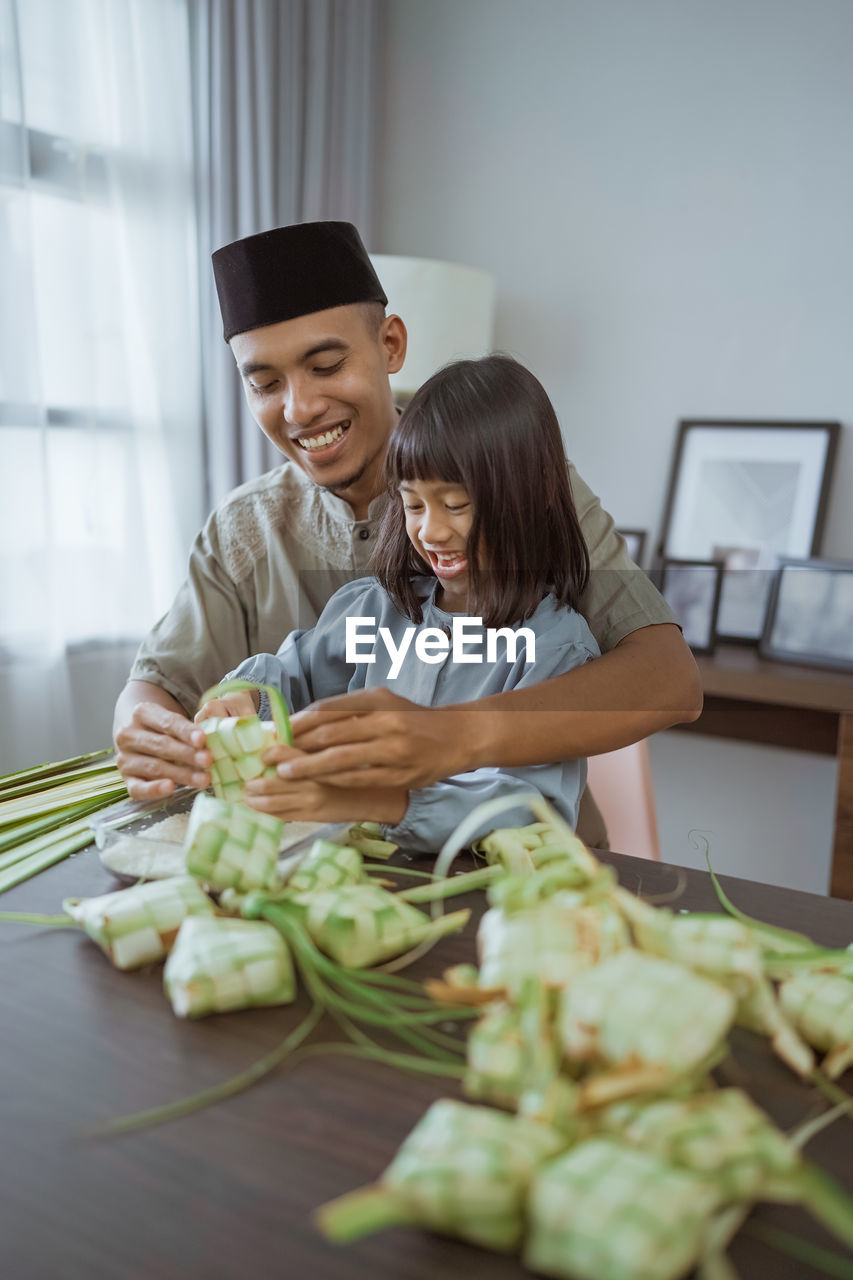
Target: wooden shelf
737, 671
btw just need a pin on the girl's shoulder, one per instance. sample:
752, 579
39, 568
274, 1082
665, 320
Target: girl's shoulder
558, 625
360, 588
363, 597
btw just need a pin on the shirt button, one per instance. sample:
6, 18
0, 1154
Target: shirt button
364, 534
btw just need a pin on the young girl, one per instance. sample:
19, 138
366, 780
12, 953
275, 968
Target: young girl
480, 530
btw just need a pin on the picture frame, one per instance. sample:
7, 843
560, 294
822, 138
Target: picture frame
692, 589
635, 541
810, 614
748, 493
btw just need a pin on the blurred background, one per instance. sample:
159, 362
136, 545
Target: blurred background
660, 191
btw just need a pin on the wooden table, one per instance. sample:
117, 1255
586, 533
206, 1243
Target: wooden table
229, 1192
785, 705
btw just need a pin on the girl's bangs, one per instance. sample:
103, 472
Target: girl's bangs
420, 449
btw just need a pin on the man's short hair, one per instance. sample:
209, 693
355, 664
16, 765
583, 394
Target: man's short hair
374, 314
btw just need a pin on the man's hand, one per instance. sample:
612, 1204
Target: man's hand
310, 800
157, 747
375, 738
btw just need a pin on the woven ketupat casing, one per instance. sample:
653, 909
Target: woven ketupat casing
326, 866
607, 1212
236, 744
635, 1008
544, 941
362, 924
220, 965
722, 1135
230, 846
820, 1005
137, 926
465, 1170
496, 1057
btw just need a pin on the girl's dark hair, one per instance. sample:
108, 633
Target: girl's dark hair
488, 426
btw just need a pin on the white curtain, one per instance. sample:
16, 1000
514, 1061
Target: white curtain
100, 477
286, 109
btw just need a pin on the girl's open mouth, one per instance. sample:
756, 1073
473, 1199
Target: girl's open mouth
447, 565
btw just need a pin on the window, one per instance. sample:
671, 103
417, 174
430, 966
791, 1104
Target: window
99, 383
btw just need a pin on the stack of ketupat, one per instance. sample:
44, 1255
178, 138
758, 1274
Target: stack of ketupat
330, 905
601, 1019
332, 916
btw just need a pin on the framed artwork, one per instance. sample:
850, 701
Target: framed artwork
692, 589
810, 615
747, 494
635, 540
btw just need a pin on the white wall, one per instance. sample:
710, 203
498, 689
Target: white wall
662, 189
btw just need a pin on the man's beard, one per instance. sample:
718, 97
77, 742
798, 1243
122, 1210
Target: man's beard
341, 486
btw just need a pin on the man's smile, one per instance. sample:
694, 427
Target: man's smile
323, 442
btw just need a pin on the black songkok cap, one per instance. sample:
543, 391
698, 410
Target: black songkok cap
292, 271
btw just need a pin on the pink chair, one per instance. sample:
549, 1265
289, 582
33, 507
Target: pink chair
621, 782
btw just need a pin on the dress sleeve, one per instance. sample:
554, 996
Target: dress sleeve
435, 812
312, 664
619, 597
204, 633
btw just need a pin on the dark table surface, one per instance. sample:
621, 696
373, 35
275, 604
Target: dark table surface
229, 1192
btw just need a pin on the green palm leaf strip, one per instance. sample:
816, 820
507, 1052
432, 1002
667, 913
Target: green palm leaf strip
812, 1255
43, 852
41, 771
218, 1092
43, 812
278, 706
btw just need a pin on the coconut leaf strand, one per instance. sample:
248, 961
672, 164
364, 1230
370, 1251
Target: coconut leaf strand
44, 852
218, 1092
35, 773
803, 1250
42, 812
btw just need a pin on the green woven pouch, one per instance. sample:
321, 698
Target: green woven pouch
230, 846
238, 742
362, 924
722, 1135
607, 1212
326, 866
220, 965
637, 1009
136, 926
464, 1171
820, 1005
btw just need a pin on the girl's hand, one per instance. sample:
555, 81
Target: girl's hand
244, 703
311, 801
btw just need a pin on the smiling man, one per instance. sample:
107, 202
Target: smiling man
304, 314
315, 388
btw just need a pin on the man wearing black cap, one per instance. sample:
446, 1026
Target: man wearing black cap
304, 314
